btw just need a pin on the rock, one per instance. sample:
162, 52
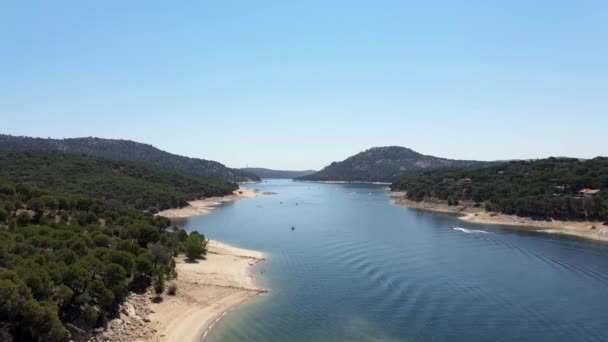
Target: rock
128, 309
76, 333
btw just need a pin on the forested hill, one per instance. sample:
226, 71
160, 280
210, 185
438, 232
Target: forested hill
72, 244
277, 174
131, 183
127, 150
546, 188
384, 164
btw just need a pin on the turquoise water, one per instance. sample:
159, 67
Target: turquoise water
357, 268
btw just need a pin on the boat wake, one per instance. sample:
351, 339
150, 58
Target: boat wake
470, 231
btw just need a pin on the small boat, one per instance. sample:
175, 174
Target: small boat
293, 227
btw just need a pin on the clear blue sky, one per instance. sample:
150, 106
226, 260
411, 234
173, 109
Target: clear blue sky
294, 85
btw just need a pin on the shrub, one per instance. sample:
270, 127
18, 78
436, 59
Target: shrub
196, 246
159, 284
172, 290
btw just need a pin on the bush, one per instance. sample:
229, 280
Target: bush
196, 246
23, 219
3, 215
159, 284
102, 240
488, 206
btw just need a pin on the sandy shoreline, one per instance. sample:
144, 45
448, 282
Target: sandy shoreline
467, 212
206, 291
206, 205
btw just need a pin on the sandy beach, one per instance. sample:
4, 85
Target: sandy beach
467, 212
206, 291
206, 205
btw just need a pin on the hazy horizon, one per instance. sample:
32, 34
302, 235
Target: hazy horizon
296, 86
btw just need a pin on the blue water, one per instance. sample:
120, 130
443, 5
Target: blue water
357, 268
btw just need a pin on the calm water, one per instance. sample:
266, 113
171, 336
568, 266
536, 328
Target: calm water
358, 268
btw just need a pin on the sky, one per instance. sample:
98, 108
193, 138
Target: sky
299, 84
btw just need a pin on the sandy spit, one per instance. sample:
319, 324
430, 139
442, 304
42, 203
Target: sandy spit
206, 205
206, 291
467, 212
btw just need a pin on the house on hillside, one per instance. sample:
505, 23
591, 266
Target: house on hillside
589, 193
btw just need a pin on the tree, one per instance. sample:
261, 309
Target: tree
159, 282
196, 246
488, 206
23, 219
160, 255
10, 300
144, 263
76, 278
7, 189
125, 259
42, 321
114, 274
102, 240
3, 215
104, 296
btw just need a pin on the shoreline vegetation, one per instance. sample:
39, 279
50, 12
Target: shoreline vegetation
82, 256
594, 230
206, 291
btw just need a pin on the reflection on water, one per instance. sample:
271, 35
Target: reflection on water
357, 268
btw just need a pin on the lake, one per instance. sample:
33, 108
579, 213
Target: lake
358, 268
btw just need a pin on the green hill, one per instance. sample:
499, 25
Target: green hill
546, 188
132, 183
383, 164
129, 151
73, 245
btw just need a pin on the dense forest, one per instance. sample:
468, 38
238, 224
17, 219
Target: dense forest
277, 174
128, 151
383, 164
131, 183
73, 244
559, 188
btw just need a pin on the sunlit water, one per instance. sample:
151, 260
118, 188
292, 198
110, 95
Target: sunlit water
357, 268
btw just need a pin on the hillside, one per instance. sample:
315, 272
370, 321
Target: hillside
546, 188
127, 150
384, 164
277, 174
131, 183
72, 246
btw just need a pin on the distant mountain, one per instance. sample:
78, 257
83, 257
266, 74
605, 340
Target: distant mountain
127, 150
277, 174
384, 164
